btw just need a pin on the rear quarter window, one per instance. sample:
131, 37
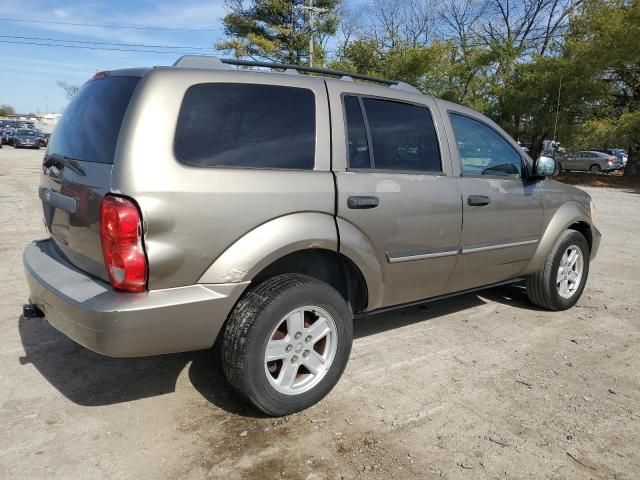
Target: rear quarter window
90, 125
247, 125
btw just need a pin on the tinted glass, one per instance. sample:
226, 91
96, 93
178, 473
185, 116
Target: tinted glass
90, 125
482, 150
26, 133
244, 125
356, 134
403, 136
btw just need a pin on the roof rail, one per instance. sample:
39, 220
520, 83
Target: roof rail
215, 63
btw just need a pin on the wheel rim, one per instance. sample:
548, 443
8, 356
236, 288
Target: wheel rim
570, 272
300, 350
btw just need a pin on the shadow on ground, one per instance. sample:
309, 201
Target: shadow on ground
90, 379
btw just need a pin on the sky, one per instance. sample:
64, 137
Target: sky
29, 73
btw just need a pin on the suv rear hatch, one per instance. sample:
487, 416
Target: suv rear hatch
77, 168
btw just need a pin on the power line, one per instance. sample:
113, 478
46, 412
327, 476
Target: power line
86, 47
131, 27
17, 37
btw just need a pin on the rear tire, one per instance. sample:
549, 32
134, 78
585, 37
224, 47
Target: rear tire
595, 169
559, 285
285, 317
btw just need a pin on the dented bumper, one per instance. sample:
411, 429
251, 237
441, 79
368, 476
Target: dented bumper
120, 324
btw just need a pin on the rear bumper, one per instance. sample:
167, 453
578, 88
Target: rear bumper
613, 167
118, 324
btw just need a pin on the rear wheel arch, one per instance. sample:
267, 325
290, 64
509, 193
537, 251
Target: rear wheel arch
257, 249
327, 266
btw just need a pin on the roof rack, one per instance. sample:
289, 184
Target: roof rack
214, 63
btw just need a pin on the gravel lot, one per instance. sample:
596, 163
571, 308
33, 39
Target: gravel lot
481, 386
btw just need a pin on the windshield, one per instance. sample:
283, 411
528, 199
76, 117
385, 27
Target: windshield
26, 133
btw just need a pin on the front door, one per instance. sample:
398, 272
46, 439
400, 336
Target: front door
502, 211
397, 190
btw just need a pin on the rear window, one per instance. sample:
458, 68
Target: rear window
247, 125
90, 125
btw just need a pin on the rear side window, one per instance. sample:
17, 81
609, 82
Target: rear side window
402, 136
90, 125
482, 150
357, 143
247, 125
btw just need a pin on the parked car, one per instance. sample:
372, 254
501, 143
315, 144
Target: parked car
271, 210
616, 152
44, 138
23, 138
4, 136
591, 161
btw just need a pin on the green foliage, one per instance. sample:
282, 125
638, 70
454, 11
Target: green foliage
276, 30
606, 49
542, 69
7, 110
433, 69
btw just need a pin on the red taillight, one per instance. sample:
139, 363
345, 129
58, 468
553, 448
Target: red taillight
121, 237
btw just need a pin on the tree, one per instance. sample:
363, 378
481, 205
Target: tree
70, 90
605, 44
277, 30
6, 110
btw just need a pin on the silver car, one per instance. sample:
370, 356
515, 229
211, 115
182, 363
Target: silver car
591, 161
199, 202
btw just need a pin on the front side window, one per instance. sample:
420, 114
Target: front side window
482, 150
247, 125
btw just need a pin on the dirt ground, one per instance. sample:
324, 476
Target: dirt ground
480, 386
587, 179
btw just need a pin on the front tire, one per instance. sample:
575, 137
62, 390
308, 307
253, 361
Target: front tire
287, 343
559, 285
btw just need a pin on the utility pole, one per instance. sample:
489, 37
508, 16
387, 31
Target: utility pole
310, 11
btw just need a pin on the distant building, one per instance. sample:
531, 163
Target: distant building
50, 118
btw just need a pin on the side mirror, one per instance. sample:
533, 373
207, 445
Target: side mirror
545, 167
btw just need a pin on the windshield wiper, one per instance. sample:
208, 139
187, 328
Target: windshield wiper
61, 161
74, 165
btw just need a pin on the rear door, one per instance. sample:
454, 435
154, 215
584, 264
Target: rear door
76, 171
502, 210
395, 187
572, 161
583, 161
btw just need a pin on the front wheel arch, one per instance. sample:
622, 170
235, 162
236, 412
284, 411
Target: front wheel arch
571, 215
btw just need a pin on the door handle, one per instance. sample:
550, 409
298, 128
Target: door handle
363, 202
478, 200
